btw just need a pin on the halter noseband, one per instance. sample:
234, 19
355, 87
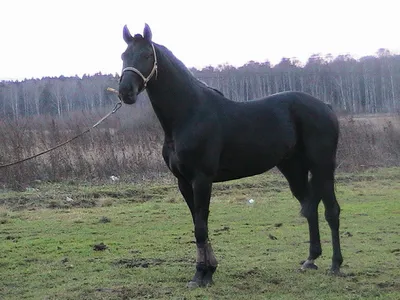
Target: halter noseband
145, 79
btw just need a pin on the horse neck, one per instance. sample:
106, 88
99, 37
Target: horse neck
173, 93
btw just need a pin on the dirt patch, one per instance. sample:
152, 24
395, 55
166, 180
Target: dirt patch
104, 219
100, 247
275, 281
12, 238
125, 293
139, 292
221, 230
388, 285
138, 262
254, 272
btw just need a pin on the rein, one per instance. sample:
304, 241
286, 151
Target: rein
145, 79
116, 107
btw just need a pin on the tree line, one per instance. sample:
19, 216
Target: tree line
370, 84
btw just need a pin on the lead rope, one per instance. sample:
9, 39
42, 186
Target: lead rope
116, 107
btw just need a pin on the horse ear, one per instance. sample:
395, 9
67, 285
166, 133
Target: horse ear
147, 32
127, 35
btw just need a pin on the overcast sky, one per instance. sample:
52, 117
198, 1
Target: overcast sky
53, 38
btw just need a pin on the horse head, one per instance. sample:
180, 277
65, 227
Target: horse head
139, 64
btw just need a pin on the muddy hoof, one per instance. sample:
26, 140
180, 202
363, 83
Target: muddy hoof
336, 272
307, 265
198, 284
193, 285
202, 277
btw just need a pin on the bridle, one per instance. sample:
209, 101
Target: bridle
145, 79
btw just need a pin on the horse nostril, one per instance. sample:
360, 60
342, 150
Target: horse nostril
125, 93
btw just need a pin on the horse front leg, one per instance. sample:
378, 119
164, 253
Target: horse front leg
206, 263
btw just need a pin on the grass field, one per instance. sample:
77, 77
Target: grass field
48, 237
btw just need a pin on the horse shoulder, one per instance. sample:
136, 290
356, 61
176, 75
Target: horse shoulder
198, 147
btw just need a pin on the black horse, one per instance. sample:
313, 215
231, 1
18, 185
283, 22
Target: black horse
209, 138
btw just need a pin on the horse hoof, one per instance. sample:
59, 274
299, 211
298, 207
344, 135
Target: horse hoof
193, 285
335, 272
197, 284
309, 265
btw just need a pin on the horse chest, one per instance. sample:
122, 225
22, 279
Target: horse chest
170, 157
185, 159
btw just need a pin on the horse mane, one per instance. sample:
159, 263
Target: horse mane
181, 66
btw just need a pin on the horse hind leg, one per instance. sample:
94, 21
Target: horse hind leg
332, 213
322, 186
309, 209
320, 149
296, 172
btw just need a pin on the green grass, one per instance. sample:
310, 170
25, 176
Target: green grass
46, 242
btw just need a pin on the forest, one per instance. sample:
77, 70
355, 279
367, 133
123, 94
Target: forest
37, 114
370, 84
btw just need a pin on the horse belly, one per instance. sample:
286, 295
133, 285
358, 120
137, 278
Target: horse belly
246, 162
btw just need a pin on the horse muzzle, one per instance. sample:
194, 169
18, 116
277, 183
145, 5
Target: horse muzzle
128, 98
127, 92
